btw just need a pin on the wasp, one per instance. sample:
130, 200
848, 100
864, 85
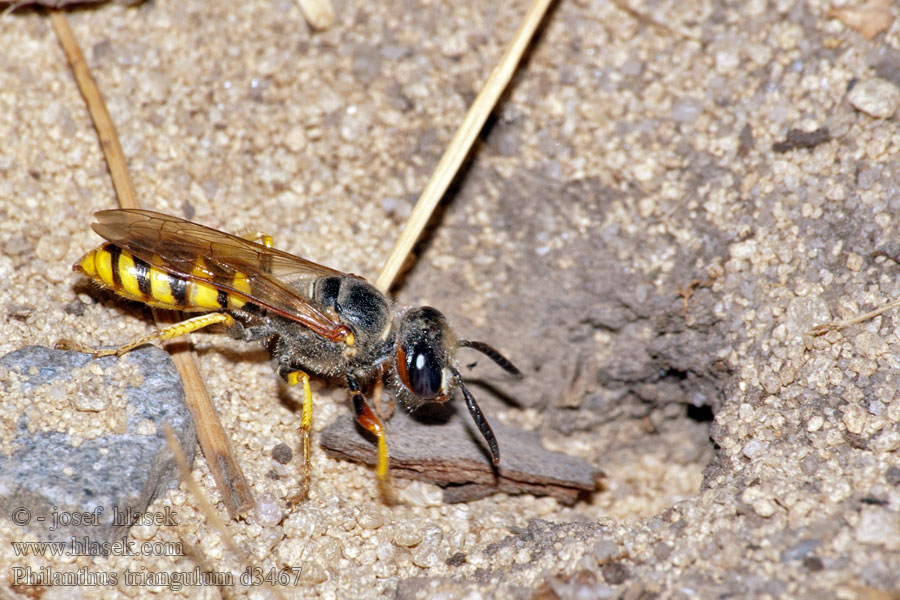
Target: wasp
316, 320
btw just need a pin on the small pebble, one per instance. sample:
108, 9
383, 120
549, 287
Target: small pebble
282, 453
854, 418
892, 475
91, 403
408, 534
318, 13
295, 139
878, 526
313, 574
421, 494
876, 97
74, 307
752, 448
614, 573
804, 313
267, 512
144, 532
370, 519
686, 110
146, 427
870, 345
764, 507
800, 550
606, 548
875, 407
428, 553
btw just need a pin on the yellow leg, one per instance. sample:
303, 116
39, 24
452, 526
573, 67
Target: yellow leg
256, 236
293, 378
265, 262
172, 331
367, 418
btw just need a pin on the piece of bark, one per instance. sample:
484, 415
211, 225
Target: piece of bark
445, 448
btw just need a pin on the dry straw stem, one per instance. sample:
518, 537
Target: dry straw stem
836, 325
211, 518
318, 13
461, 144
185, 471
210, 433
645, 19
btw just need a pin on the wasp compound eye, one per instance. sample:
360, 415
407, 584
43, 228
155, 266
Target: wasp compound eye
423, 371
422, 346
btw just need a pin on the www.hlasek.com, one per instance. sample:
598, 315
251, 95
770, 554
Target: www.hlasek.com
85, 546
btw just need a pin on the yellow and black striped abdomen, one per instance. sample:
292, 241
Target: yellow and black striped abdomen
136, 279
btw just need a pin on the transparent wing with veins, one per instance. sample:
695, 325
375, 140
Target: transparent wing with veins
198, 253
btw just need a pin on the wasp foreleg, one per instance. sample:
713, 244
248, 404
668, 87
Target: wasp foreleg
369, 421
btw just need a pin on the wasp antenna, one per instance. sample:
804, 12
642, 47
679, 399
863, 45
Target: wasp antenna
478, 416
494, 355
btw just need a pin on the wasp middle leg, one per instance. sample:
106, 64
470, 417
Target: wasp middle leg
254, 235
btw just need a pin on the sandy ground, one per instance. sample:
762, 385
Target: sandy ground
633, 154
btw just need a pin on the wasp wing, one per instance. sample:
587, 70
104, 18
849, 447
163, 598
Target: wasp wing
216, 258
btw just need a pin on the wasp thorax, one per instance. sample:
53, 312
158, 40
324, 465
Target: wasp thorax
425, 346
358, 304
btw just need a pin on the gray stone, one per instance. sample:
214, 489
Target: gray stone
91, 488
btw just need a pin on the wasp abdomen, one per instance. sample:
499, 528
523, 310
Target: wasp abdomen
136, 279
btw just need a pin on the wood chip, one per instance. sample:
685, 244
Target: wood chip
443, 447
868, 19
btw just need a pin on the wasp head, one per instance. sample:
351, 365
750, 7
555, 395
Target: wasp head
424, 364
425, 349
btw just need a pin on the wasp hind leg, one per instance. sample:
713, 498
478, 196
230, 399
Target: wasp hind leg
293, 378
166, 333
